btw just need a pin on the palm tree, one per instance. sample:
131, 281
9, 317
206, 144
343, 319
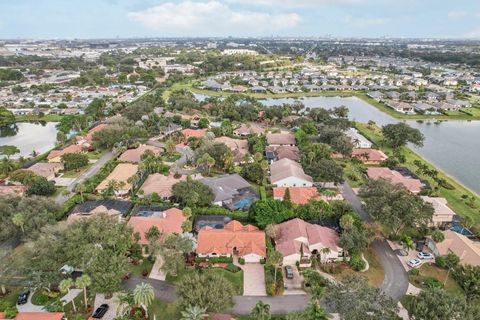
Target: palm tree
7, 166
170, 146
346, 221
83, 282
80, 188
324, 251
438, 236
274, 259
271, 231
194, 313
19, 220
261, 311
143, 295
408, 243
64, 287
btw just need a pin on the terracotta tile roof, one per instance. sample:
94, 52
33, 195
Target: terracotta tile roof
281, 139
290, 234
298, 195
233, 144
39, 316
373, 155
169, 221
122, 172
414, 185
285, 168
249, 128
247, 239
134, 155
188, 133
281, 152
160, 184
74, 148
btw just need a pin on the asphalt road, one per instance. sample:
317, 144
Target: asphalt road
395, 283
61, 198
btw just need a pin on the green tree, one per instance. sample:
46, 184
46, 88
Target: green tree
8, 151
143, 295
275, 259
261, 311
399, 134
192, 193
19, 220
269, 211
80, 188
74, 161
468, 277
41, 187
83, 282
206, 290
65, 286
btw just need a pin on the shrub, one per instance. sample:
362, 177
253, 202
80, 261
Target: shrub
440, 261
241, 261
236, 215
233, 268
11, 312
433, 283
356, 262
271, 288
414, 272
214, 259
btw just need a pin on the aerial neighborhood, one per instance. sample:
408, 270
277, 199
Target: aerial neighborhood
194, 179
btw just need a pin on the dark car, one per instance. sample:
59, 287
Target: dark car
288, 272
23, 297
100, 312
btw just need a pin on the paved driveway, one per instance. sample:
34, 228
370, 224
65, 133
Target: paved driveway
163, 290
253, 279
112, 306
278, 304
395, 283
157, 272
293, 286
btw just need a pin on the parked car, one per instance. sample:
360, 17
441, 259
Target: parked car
425, 255
23, 297
289, 272
414, 263
100, 312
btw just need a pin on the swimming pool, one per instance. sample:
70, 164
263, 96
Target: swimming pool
145, 213
201, 225
243, 203
459, 229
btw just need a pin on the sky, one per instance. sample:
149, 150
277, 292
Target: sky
54, 19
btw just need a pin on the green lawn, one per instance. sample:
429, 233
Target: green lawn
138, 269
74, 173
46, 118
454, 197
163, 310
428, 270
374, 274
41, 297
10, 299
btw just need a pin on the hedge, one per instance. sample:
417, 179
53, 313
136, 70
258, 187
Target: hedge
271, 289
214, 259
219, 211
92, 182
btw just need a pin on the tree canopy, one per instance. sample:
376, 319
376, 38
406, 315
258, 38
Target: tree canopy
399, 134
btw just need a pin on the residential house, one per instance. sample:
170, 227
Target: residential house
358, 140
445, 106
376, 95
160, 184
87, 140
281, 139
288, 173
258, 89
167, 222
46, 169
248, 129
296, 239
369, 156
273, 153
401, 107
56, 155
121, 174
191, 133
14, 189
77, 216
34, 316
467, 250
238, 147
244, 241
443, 215
231, 191
298, 195
134, 155
412, 184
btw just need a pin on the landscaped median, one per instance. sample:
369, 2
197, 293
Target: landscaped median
463, 201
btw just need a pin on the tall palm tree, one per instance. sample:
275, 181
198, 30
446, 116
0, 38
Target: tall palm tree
170, 147
19, 220
261, 311
274, 259
194, 313
438, 236
80, 188
324, 252
83, 282
64, 287
143, 295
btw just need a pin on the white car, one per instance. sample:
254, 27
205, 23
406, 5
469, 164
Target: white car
414, 263
425, 255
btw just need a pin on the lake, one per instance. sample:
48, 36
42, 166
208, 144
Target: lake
28, 136
452, 146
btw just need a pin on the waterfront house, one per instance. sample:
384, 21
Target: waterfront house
443, 215
395, 177
466, 249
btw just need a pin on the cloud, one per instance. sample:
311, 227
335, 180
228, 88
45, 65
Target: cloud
298, 3
457, 14
365, 22
211, 18
474, 34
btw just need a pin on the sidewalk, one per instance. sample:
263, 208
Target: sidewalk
156, 272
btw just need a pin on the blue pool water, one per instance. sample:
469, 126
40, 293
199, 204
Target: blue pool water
459, 229
144, 213
243, 203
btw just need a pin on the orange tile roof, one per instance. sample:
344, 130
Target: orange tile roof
298, 195
74, 148
247, 239
134, 155
169, 222
414, 185
373, 155
188, 133
39, 316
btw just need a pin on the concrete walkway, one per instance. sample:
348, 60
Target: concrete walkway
29, 306
72, 294
156, 272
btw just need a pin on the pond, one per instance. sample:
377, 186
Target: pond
29, 137
452, 146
